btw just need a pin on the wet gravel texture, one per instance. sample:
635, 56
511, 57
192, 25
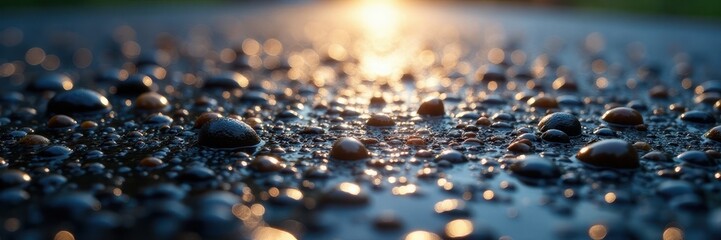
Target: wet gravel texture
319, 122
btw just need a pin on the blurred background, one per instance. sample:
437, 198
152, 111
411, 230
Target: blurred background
688, 8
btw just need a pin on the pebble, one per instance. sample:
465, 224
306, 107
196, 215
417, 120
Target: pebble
432, 107
714, 134
698, 117
227, 133
534, 167
151, 162
349, 149
451, 156
158, 119
226, 81
55, 151
562, 121
54, 82
205, 118
266, 163
345, 193
179, 151
696, 158
657, 156
34, 140
151, 102
519, 147
642, 146
13, 178
556, 136
135, 85
610, 153
387, 221
623, 116
61, 121
78, 102
543, 101
380, 120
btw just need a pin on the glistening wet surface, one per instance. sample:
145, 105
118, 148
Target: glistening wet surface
358, 122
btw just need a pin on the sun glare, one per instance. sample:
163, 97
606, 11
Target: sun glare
380, 18
382, 52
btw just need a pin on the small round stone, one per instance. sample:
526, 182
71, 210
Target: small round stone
112, 75
288, 115
55, 82
151, 162
698, 117
88, 125
483, 121
543, 101
61, 121
672, 188
24, 114
205, 118
605, 132
657, 156
413, 141
348, 149
624, 116
642, 146
707, 98
380, 120
226, 81
610, 153
492, 72
387, 221
658, 92
197, 174
503, 117
697, 158
714, 134
564, 83
13, 178
709, 86
377, 99
55, 151
254, 97
151, 101
266, 163
534, 166
345, 193
562, 121
312, 130
451, 156
519, 147
12, 197
34, 140
555, 135
79, 101
227, 133
432, 107
134, 85
158, 119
